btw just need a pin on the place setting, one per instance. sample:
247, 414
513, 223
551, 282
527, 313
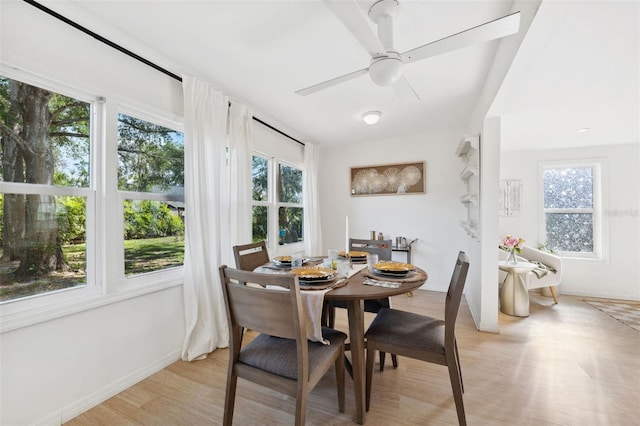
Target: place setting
286, 262
318, 278
393, 273
354, 256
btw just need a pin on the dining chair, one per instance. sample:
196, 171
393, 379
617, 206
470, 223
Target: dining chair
380, 247
422, 337
280, 357
383, 249
249, 256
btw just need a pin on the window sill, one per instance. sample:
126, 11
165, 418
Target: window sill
25, 313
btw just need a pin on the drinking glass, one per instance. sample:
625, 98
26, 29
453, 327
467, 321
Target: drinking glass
296, 261
372, 259
342, 267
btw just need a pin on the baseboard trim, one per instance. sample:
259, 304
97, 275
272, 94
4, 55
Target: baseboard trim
78, 407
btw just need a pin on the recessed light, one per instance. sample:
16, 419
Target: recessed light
583, 129
371, 117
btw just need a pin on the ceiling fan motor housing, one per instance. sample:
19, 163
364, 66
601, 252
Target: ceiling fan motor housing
386, 70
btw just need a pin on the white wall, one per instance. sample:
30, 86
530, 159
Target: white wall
482, 290
616, 275
433, 217
54, 370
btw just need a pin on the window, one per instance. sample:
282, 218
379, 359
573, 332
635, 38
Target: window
151, 184
46, 191
571, 208
278, 213
260, 196
290, 211
56, 197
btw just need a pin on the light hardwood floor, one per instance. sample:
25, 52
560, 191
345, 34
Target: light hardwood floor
566, 364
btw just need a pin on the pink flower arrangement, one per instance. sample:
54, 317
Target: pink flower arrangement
511, 244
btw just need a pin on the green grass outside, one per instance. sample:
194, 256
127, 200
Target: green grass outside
141, 256
153, 254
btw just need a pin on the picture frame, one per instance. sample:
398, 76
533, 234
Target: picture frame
388, 179
509, 199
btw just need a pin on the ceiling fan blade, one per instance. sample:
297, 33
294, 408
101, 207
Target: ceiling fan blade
325, 84
350, 14
492, 30
404, 90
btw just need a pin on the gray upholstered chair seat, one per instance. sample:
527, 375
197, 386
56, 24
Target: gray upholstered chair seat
279, 356
393, 327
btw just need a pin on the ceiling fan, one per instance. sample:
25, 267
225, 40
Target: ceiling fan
385, 67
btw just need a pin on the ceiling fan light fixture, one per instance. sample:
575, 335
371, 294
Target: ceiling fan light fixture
385, 71
371, 117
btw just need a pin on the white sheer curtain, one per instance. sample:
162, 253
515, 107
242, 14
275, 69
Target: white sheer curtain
240, 120
312, 228
206, 185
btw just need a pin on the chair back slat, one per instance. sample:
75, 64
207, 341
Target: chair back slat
381, 247
249, 256
271, 311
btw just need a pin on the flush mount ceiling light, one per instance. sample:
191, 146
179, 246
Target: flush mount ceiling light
583, 129
371, 117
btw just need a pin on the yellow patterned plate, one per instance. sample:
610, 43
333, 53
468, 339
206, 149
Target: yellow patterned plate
282, 259
394, 267
353, 254
314, 274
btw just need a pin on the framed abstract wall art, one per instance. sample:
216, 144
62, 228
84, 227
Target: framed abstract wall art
389, 179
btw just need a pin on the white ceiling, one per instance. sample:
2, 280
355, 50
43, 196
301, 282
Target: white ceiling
577, 67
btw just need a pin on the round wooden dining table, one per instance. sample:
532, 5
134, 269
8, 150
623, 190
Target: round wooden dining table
355, 293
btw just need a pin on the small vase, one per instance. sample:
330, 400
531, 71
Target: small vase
512, 260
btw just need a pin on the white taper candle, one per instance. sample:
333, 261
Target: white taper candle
346, 235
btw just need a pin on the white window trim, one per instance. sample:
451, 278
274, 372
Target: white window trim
600, 246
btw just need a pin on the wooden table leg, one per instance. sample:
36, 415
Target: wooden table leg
356, 337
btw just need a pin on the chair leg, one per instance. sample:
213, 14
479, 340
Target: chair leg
371, 353
394, 360
339, 366
229, 399
301, 407
456, 386
552, 289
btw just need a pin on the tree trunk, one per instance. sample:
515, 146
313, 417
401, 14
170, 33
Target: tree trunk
41, 249
13, 204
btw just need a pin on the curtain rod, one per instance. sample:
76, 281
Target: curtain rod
131, 54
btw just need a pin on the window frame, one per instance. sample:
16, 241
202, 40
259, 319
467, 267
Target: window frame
596, 211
